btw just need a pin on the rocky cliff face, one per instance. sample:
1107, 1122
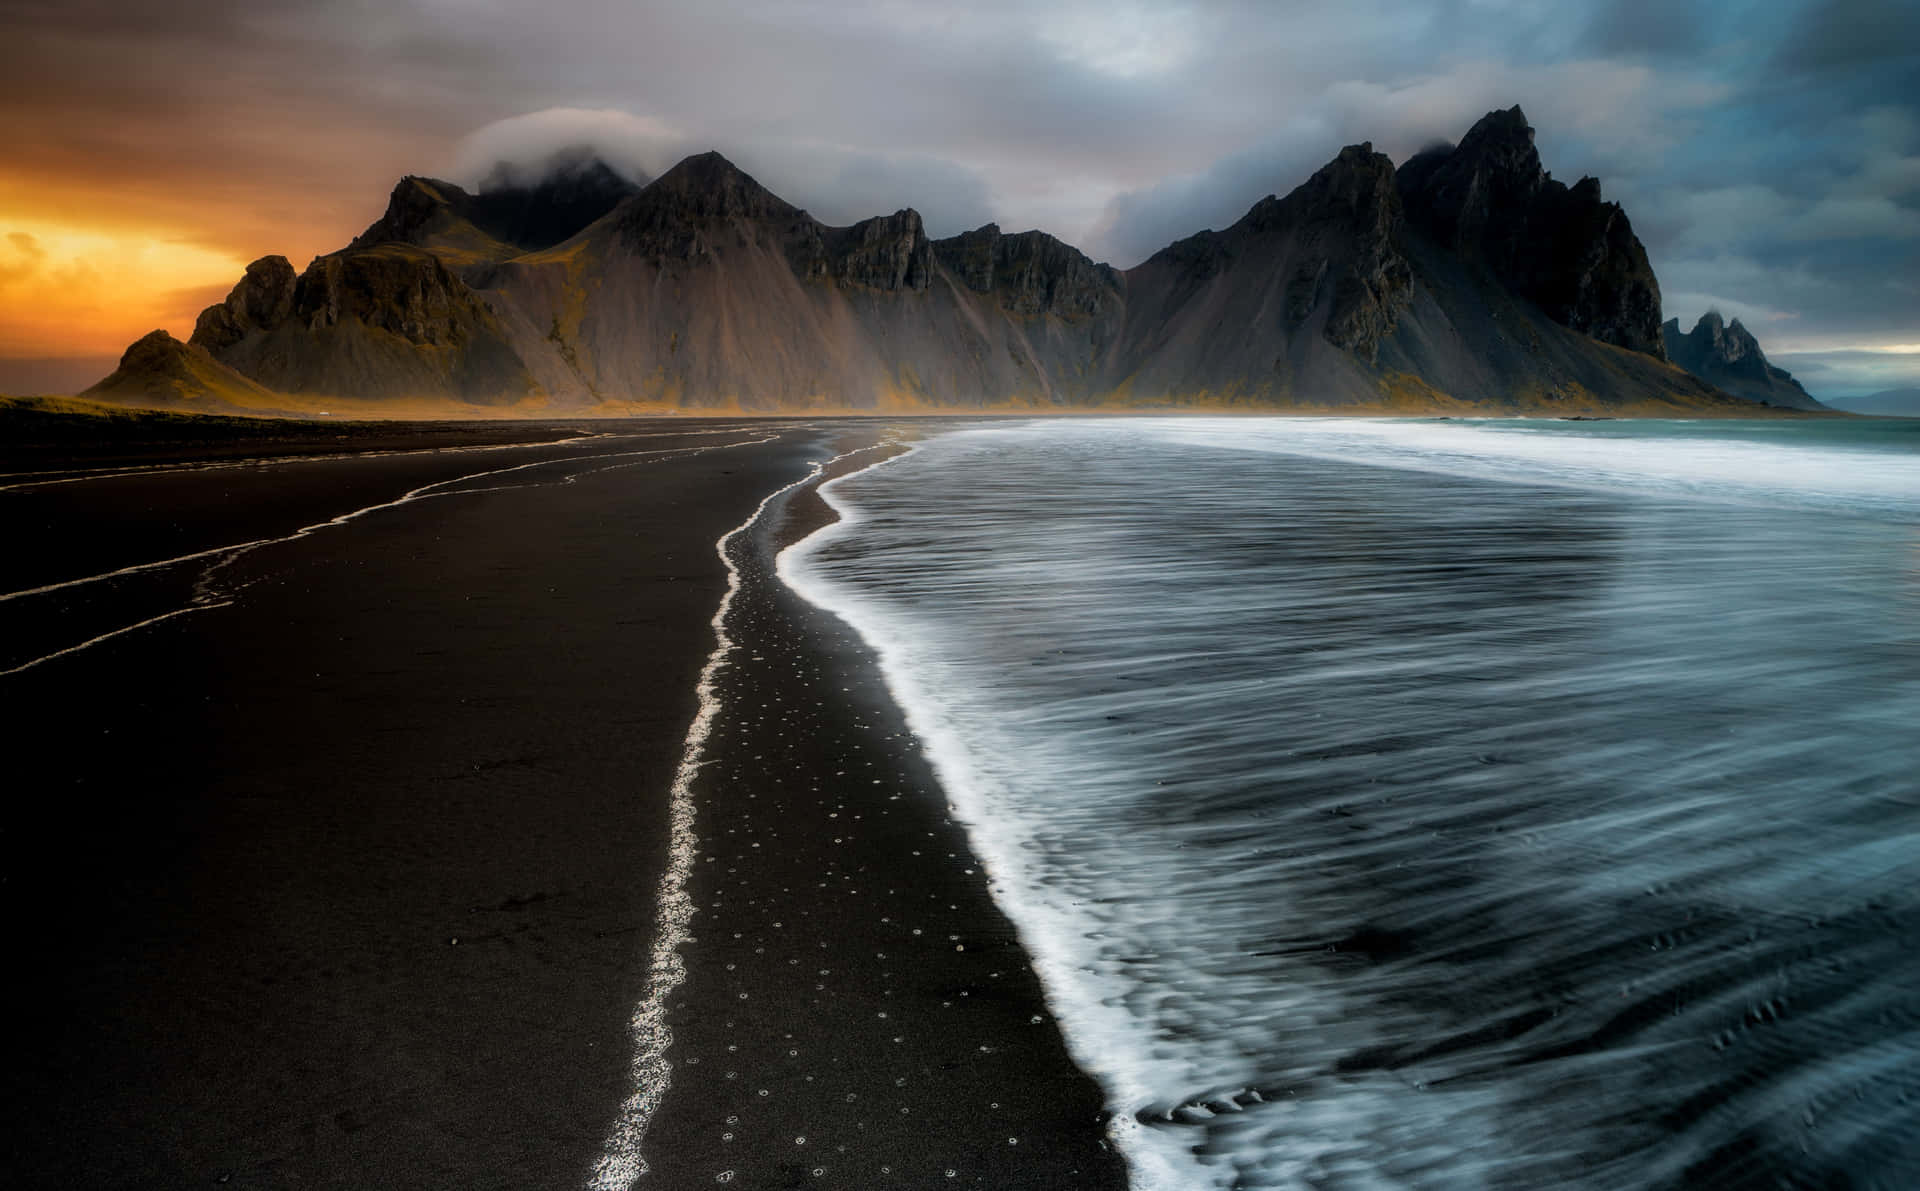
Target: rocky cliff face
1030, 273
688, 210
419, 211
706, 205
1574, 255
386, 322
263, 300
1298, 296
1349, 214
1467, 279
1727, 356
888, 253
402, 291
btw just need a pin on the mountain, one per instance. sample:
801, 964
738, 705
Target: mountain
1727, 356
1888, 403
1490, 202
159, 370
510, 215
570, 191
389, 322
1466, 280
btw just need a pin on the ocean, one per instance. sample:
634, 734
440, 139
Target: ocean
1434, 803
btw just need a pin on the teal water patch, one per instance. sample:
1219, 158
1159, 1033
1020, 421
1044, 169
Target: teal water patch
1422, 803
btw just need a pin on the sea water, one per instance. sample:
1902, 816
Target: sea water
1434, 803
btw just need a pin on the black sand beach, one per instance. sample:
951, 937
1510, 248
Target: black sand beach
45, 433
347, 880
906, 1044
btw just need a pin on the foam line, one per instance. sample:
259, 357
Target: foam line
81, 475
108, 636
204, 599
621, 1163
1050, 935
420, 493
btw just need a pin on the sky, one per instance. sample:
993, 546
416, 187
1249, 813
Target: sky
1767, 153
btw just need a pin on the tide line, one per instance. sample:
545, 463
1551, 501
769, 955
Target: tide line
621, 1164
108, 636
23, 480
205, 600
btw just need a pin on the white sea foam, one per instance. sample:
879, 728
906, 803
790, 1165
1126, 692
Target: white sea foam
1101, 1035
1206, 716
1734, 462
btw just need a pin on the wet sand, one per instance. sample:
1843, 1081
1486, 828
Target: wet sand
350, 881
857, 1012
41, 435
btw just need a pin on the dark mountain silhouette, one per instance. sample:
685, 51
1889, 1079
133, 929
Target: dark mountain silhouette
1576, 257
574, 189
509, 216
1727, 356
1466, 280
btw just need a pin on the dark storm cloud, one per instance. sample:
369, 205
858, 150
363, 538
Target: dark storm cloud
1846, 34
1765, 151
1646, 27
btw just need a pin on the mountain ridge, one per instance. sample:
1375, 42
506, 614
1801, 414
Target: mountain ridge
1366, 287
1727, 356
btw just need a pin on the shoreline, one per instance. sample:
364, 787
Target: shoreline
45, 433
347, 883
351, 880
857, 1009
622, 1161
1152, 1159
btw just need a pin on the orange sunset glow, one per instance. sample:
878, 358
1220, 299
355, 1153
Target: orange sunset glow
87, 289
89, 264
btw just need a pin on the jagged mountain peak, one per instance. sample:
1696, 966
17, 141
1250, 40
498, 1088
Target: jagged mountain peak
1503, 141
263, 297
417, 207
1727, 354
1489, 201
707, 185
1357, 182
680, 215
1501, 124
1493, 170
1357, 179
1726, 340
